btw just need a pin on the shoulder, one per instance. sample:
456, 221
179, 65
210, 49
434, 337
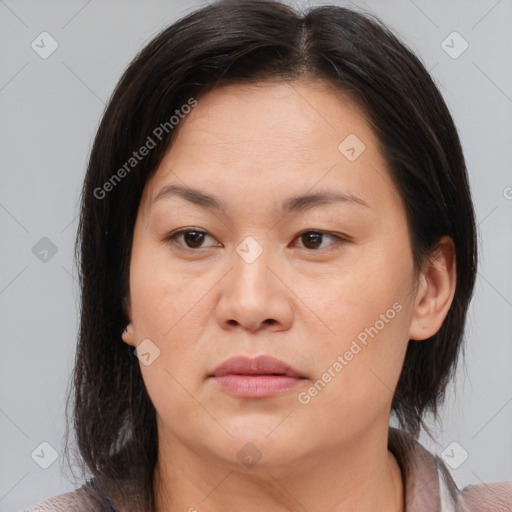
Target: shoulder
486, 497
75, 500
429, 485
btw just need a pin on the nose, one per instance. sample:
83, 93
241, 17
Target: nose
254, 295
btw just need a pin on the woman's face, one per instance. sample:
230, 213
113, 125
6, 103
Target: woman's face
325, 286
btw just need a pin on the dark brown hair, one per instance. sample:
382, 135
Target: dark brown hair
248, 42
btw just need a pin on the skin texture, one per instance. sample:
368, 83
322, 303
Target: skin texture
301, 301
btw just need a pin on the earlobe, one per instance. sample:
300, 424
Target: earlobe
127, 335
435, 291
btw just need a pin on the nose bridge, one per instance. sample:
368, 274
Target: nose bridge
252, 296
251, 261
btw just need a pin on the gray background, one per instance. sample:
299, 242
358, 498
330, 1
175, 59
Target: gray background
50, 109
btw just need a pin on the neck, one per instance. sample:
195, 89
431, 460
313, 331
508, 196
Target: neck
360, 477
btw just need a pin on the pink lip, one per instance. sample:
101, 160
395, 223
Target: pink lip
258, 377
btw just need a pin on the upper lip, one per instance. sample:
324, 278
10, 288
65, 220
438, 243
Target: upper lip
260, 365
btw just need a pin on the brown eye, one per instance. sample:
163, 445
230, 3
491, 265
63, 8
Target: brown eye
193, 238
313, 239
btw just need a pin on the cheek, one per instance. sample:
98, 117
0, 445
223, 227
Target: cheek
358, 371
364, 288
368, 313
167, 309
162, 296
170, 308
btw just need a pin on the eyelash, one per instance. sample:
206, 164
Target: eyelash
171, 238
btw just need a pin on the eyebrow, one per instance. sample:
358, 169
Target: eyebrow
292, 204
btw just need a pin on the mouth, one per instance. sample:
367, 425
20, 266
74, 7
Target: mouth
258, 377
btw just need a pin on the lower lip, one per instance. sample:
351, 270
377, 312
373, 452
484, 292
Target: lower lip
256, 386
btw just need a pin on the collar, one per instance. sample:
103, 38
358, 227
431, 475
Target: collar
428, 486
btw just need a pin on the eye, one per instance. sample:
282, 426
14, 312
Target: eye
313, 238
193, 237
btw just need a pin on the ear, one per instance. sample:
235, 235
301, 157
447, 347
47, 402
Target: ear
127, 335
437, 282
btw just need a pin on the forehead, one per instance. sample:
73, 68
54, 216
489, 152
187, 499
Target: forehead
272, 136
278, 115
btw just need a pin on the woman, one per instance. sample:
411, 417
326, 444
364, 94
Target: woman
277, 250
